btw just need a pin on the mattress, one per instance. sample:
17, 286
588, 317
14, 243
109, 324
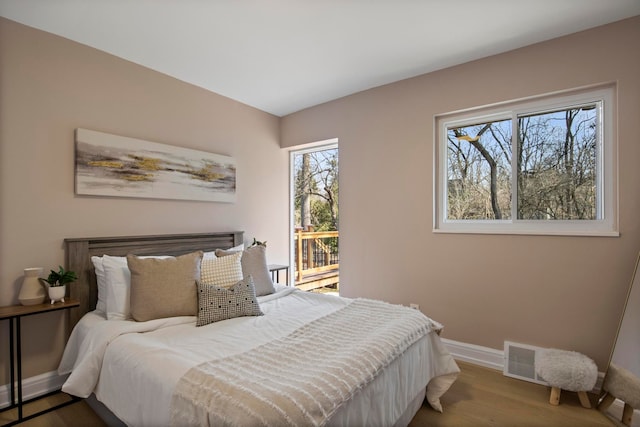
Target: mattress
134, 367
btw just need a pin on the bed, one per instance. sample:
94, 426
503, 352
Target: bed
294, 358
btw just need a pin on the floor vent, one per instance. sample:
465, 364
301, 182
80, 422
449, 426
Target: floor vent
520, 362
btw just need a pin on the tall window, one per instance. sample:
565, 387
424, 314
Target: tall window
544, 166
315, 255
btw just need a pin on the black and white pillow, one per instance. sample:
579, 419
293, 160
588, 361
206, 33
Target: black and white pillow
216, 303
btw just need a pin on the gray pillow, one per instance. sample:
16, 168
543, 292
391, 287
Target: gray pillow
254, 264
164, 287
216, 303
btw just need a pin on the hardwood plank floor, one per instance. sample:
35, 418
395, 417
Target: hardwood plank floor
77, 414
480, 397
484, 397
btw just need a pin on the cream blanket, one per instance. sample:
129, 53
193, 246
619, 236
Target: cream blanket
301, 379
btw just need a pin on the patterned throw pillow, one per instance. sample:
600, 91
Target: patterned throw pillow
221, 271
216, 303
254, 263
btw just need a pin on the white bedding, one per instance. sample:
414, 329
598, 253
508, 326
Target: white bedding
119, 361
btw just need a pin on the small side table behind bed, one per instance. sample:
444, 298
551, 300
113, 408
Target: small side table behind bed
13, 314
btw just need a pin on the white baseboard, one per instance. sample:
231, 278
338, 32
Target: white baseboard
475, 354
615, 412
490, 357
33, 387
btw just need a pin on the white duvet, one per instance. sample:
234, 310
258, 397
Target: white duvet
133, 367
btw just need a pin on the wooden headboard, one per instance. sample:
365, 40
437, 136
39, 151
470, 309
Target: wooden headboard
78, 253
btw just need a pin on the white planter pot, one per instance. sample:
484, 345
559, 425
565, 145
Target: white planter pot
56, 293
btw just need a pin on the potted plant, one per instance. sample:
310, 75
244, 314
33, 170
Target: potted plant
56, 283
259, 243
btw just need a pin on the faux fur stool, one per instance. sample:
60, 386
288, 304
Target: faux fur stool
567, 370
622, 384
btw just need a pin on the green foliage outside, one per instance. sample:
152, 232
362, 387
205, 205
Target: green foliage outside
316, 190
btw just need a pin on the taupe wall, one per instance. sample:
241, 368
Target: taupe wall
49, 86
564, 292
551, 291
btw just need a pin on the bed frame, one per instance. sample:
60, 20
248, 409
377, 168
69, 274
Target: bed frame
78, 253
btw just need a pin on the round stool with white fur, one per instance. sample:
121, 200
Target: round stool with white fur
621, 384
567, 370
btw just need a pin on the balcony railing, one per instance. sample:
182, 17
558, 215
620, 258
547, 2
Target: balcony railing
317, 260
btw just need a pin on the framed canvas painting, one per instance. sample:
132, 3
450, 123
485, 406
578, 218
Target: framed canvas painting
118, 166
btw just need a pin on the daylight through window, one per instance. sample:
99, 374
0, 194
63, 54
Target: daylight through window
541, 166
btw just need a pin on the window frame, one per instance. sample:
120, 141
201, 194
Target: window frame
606, 155
328, 144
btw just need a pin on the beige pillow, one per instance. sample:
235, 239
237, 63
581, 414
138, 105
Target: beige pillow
223, 271
164, 287
216, 303
254, 264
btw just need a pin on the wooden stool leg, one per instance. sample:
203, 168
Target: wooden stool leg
584, 399
606, 401
627, 414
554, 399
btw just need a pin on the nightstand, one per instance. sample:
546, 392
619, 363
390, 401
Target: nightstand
275, 272
14, 313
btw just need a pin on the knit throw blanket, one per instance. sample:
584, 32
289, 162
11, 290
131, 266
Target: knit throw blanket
301, 379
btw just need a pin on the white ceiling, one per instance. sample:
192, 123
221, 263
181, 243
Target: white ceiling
282, 56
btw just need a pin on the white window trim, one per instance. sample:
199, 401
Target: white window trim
607, 173
311, 147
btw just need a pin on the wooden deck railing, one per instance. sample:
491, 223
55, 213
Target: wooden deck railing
317, 260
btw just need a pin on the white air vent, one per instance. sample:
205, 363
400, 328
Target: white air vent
520, 362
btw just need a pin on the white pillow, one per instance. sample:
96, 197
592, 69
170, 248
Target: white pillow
101, 306
209, 255
117, 286
240, 247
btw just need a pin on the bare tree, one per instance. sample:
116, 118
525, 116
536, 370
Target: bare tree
555, 167
317, 189
499, 146
305, 192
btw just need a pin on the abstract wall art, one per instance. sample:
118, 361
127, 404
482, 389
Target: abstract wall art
118, 166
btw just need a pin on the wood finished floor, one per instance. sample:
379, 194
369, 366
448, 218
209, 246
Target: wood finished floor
77, 414
484, 397
480, 397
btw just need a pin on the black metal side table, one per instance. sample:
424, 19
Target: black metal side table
275, 272
14, 313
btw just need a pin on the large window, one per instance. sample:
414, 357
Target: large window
315, 254
540, 166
